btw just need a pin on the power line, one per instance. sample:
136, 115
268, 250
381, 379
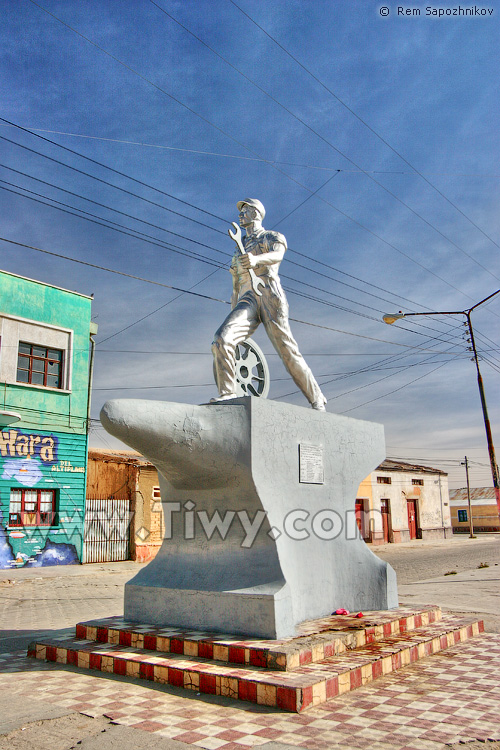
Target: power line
275, 380
326, 140
119, 273
196, 294
139, 320
111, 169
392, 359
346, 106
372, 368
156, 242
135, 218
187, 253
324, 184
140, 182
395, 390
254, 158
99, 179
206, 120
385, 377
268, 354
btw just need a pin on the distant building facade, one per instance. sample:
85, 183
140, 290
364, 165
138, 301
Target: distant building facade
113, 476
44, 374
400, 501
484, 510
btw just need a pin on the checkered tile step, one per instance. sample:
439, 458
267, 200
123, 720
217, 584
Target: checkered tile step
316, 639
294, 691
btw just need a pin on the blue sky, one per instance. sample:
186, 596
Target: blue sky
390, 97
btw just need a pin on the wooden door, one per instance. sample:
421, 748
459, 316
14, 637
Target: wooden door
412, 518
386, 519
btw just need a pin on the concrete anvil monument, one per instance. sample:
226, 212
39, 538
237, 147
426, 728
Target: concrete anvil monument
258, 495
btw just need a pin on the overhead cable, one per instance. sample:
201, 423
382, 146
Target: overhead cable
372, 130
187, 291
326, 141
219, 129
192, 205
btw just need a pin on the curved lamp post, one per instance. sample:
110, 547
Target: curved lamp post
391, 318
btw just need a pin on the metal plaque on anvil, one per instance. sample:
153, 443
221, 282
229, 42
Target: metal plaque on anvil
311, 464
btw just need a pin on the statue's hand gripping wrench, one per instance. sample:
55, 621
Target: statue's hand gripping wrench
236, 236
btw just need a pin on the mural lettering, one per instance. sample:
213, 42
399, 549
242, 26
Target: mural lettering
67, 466
16, 444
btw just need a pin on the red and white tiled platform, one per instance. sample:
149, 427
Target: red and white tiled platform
448, 698
330, 657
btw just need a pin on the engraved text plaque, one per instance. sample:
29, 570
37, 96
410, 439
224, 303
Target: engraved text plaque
311, 464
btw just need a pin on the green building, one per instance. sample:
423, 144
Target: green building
45, 348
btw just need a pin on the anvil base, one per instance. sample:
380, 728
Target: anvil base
260, 529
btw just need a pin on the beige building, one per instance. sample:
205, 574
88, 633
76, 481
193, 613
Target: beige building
400, 501
484, 510
114, 475
396, 503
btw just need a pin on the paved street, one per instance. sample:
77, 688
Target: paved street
421, 568
51, 599
434, 704
420, 560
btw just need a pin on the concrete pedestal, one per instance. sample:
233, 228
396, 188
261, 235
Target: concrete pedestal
281, 481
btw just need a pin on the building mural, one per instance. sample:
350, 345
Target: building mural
44, 371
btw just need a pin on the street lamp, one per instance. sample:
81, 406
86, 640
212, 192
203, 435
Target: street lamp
391, 318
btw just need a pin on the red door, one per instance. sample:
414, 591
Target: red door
360, 517
412, 518
386, 524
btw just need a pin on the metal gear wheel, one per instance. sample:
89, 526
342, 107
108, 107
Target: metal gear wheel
252, 372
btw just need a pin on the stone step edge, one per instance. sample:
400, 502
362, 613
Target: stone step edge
246, 686
310, 649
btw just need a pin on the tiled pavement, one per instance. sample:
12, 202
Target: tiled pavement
113, 646
443, 699
315, 639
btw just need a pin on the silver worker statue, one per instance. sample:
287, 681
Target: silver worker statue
259, 298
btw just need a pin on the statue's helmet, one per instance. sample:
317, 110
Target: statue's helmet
254, 203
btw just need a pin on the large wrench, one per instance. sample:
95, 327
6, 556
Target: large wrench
236, 236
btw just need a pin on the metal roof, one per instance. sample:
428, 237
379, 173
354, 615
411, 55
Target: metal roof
484, 494
118, 456
392, 465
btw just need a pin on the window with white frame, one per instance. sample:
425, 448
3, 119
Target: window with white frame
39, 365
36, 355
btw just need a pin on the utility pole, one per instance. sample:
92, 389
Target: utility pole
487, 425
393, 317
471, 525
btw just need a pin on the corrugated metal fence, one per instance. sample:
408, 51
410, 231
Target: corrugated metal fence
106, 530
